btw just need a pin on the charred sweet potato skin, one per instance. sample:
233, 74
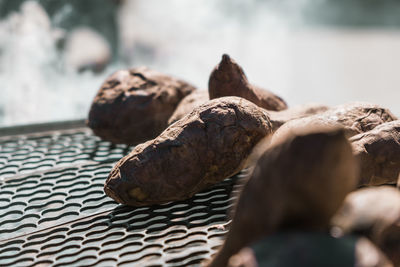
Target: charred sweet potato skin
298, 183
134, 105
378, 151
355, 118
229, 79
190, 102
206, 146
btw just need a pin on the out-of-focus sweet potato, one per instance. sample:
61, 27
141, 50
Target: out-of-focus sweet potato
278, 118
228, 79
378, 151
310, 249
134, 105
354, 117
398, 181
375, 213
204, 147
298, 183
190, 102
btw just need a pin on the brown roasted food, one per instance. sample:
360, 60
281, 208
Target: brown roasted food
354, 117
375, 213
206, 146
398, 181
228, 79
298, 183
278, 118
134, 105
378, 151
310, 249
190, 102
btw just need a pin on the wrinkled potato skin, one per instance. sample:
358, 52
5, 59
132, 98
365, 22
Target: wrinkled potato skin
228, 79
205, 147
134, 105
355, 118
298, 183
190, 102
378, 151
374, 212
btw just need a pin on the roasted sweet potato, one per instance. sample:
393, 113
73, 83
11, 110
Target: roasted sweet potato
398, 181
375, 213
134, 105
378, 151
190, 102
278, 118
204, 147
298, 183
228, 79
354, 117
310, 249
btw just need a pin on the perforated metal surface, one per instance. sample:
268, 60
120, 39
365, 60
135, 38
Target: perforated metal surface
25, 154
54, 212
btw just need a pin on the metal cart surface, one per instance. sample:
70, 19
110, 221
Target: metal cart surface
54, 212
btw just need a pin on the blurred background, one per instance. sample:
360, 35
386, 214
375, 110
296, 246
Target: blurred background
54, 54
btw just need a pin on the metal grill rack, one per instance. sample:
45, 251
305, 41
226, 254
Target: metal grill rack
53, 211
